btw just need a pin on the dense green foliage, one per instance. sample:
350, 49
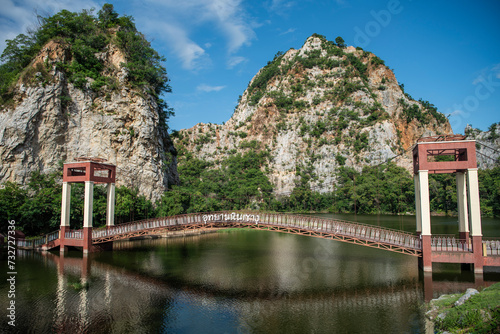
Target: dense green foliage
83, 36
489, 191
384, 189
239, 183
258, 86
414, 111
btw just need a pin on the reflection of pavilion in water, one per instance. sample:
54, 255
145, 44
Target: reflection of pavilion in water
80, 308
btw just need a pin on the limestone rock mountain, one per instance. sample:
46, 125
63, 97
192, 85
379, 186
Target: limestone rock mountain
49, 121
487, 145
316, 109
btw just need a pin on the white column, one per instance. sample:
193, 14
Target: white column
463, 214
88, 204
417, 203
474, 206
66, 203
110, 209
425, 209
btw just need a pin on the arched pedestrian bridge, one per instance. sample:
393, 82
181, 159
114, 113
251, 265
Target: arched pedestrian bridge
341, 230
326, 228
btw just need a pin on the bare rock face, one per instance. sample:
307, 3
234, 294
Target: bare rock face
51, 122
487, 145
317, 109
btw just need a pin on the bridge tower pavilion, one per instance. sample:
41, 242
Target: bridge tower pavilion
463, 163
89, 171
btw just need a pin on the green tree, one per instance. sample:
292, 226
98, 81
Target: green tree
489, 190
41, 213
108, 18
340, 42
174, 202
12, 197
131, 206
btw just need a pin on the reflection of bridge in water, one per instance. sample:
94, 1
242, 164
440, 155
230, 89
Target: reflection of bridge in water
109, 292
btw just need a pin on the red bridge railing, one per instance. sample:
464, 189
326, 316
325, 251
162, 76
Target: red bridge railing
322, 227
358, 233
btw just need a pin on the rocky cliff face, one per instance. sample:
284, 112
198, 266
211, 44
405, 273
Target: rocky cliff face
49, 121
487, 145
316, 109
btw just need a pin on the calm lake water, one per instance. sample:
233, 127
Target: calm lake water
233, 281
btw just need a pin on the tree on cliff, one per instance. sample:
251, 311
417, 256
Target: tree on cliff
85, 36
340, 42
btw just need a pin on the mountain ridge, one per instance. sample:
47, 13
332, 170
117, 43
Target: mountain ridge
316, 109
82, 94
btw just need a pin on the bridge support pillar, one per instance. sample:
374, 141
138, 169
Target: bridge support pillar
463, 215
110, 212
426, 260
418, 208
65, 214
87, 240
87, 216
62, 237
424, 217
475, 220
88, 204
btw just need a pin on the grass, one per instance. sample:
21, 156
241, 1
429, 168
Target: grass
479, 314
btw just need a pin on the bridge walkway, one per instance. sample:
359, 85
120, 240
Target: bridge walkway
327, 228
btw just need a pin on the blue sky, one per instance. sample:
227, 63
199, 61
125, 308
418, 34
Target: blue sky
446, 52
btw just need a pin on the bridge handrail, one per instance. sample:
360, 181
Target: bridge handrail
264, 213
491, 246
351, 222
450, 243
260, 213
304, 222
38, 241
73, 234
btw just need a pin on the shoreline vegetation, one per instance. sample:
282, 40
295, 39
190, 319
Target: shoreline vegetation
470, 312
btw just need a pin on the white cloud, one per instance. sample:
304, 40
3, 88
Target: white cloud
191, 55
208, 89
281, 7
289, 31
175, 23
16, 17
185, 19
233, 61
230, 17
